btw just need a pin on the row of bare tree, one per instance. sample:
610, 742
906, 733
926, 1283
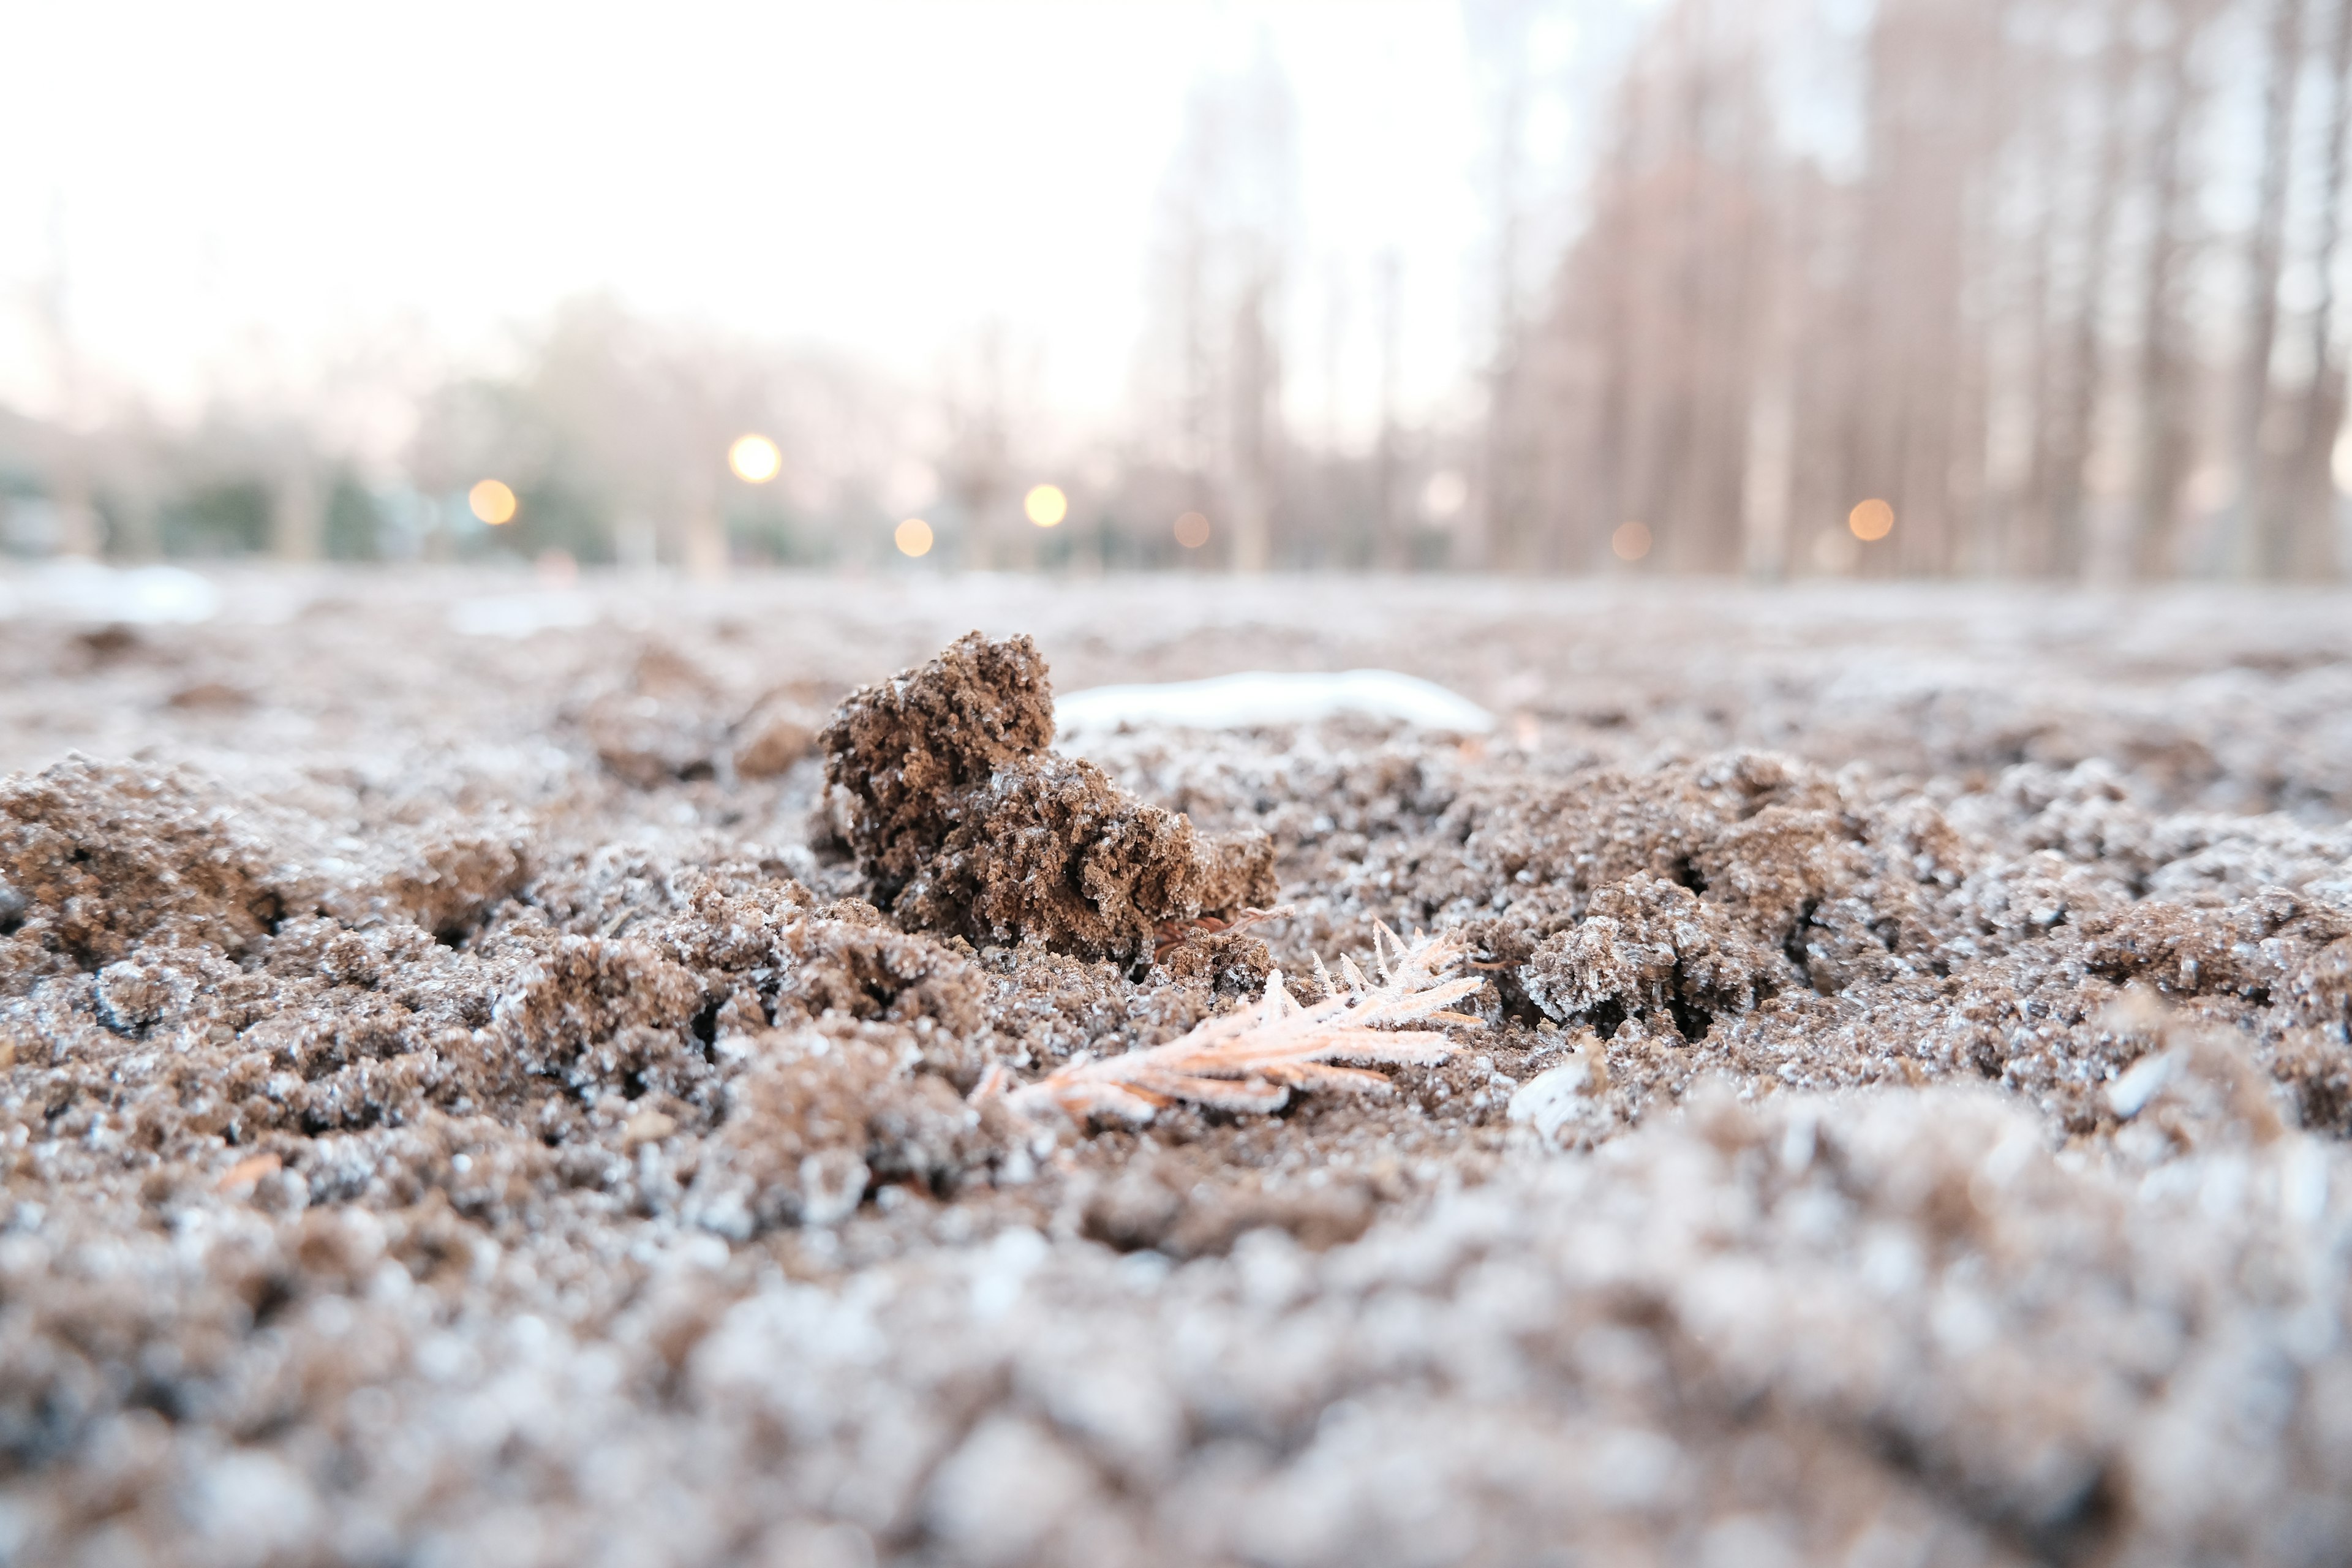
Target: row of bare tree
2049, 282
2054, 279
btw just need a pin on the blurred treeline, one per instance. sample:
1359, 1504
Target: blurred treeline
611, 430
2057, 279
2053, 280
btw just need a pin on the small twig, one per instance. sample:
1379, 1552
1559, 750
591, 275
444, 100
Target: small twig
1173, 934
247, 1171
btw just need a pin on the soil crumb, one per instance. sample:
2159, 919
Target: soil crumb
966, 821
492, 1100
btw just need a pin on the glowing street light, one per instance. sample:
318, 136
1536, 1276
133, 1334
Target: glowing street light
1631, 541
1870, 521
1445, 494
913, 537
1046, 505
1192, 530
755, 459
492, 501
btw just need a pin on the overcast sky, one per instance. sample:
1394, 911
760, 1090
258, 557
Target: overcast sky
241, 193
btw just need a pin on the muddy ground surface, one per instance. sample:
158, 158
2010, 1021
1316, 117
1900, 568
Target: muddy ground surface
472, 1094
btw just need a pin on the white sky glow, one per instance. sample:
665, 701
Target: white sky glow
245, 193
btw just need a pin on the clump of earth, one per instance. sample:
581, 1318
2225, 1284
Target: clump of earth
527, 1098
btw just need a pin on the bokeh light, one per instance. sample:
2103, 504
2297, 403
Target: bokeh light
755, 459
1046, 505
913, 537
1631, 541
1191, 530
1873, 520
492, 501
1444, 495
1835, 551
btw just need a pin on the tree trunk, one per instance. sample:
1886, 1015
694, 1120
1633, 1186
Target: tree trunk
2077, 417
1612, 485
1255, 405
2023, 545
296, 515
1390, 550
705, 533
2164, 434
2310, 517
2263, 539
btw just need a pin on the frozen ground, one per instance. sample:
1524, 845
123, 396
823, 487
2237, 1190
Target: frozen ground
459, 1110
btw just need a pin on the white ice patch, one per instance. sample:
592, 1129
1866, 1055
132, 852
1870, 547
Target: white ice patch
521, 615
1257, 699
832, 1184
87, 591
2141, 1082
253, 1506
1004, 1271
1551, 1101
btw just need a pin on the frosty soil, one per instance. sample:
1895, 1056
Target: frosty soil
540, 1120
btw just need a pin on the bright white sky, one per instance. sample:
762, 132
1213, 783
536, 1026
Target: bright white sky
245, 193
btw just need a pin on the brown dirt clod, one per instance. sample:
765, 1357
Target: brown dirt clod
966, 822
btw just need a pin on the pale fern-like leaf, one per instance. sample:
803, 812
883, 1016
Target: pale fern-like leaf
1252, 1060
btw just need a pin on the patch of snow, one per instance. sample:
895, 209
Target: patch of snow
89, 590
1551, 1099
521, 615
1258, 698
2130, 1094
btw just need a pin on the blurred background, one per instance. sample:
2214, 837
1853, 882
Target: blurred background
1767, 288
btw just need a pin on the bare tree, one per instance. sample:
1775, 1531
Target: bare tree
1213, 365
2166, 437
1599, 297
1253, 405
1930, 135
2264, 541
1389, 550
1498, 30
977, 465
68, 457
2075, 410
2311, 498
297, 508
1955, 324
